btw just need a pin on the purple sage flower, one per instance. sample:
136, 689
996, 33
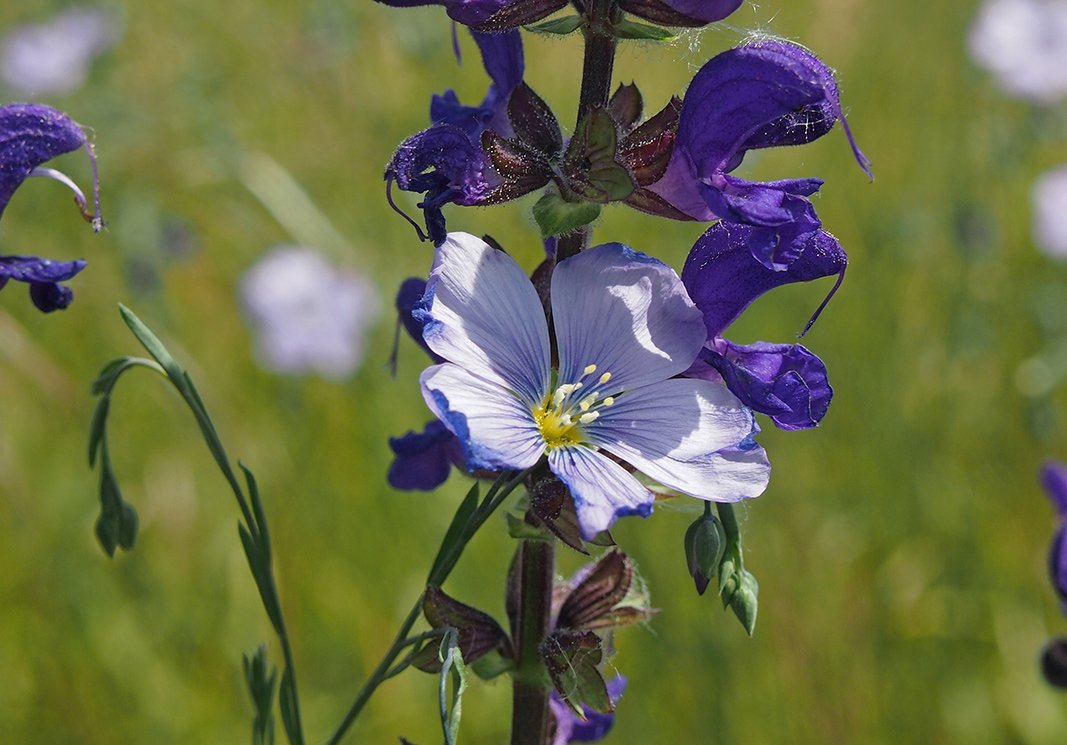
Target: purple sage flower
1023, 43
596, 725
31, 135
423, 460
53, 58
1049, 200
681, 12
784, 381
307, 315
625, 327
1054, 479
768, 93
495, 15
446, 162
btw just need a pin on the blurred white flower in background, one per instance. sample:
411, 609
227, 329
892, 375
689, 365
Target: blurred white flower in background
53, 57
307, 316
1024, 44
1049, 198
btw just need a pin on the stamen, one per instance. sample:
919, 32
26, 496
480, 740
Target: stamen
561, 393
588, 401
64, 179
605, 378
589, 370
590, 417
609, 400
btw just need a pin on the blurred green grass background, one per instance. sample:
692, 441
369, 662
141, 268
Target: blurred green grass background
900, 548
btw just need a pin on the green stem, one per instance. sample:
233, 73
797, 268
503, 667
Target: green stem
503, 486
597, 67
599, 59
530, 692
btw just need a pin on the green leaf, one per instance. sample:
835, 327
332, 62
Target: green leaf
452, 668
257, 511
289, 709
152, 344
454, 536
261, 677
520, 529
555, 216
626, 29
492, 665
590, 166
572, 659
260, 568
564, 25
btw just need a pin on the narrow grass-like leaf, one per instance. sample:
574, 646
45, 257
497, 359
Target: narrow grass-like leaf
289, 709
455, 534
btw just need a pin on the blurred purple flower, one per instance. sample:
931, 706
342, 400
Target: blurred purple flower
307, 316
596, 725
784, 381
53, 58
31, 135
1049, 199
1023, 43
1054, 479
625, 327
767, 93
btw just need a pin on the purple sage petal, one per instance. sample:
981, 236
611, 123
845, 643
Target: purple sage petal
424, 459
724, 278
784, 381
31, 134
764, 94
43, 276
446, 162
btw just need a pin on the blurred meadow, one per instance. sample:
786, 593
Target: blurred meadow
900, 549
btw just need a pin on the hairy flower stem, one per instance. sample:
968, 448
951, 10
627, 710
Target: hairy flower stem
599, 56
530, 711
530, 694
596, 89
501, 488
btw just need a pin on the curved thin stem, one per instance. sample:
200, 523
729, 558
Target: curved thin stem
502, 487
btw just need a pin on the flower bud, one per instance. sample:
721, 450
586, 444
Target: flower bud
705, 543
745, 600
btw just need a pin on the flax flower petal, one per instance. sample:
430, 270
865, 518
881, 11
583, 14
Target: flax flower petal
674, 432
625, 312
481, 311
496, 430
680, 419
602, 489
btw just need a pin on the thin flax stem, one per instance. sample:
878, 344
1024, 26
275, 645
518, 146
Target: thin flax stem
496, 495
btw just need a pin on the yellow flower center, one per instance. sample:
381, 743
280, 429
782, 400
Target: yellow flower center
561, 415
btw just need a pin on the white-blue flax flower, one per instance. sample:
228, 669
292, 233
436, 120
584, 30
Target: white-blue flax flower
624, 328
